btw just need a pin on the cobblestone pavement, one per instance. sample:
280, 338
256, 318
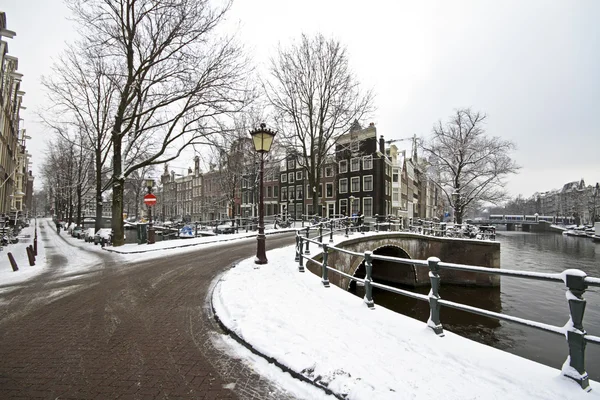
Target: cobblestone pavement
132, 331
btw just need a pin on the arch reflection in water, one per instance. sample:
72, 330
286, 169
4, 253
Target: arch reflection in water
472, 326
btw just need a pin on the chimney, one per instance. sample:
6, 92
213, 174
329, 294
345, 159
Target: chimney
196, 166
381, 144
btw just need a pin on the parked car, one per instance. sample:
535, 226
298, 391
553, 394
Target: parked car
103, 235
88, 235
77, 232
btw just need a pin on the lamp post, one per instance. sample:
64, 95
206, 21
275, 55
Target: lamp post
151, 238
262, 138
350, 208
596, 193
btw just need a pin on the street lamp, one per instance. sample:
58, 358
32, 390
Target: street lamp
151, 239
262, 138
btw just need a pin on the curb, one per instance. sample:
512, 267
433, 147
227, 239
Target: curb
271, 360
113, 250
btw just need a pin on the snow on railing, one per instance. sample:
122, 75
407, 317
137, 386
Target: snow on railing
576, 282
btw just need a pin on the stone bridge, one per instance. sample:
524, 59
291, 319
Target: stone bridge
415, 246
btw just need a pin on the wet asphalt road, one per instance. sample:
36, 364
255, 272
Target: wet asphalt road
140, 331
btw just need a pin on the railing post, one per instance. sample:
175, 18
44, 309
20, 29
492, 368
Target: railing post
574, 366
331, 231
368, 279
376, 222
434, 296
321, 232
298, 247
300, 266
347, 227
325, 278
306, 251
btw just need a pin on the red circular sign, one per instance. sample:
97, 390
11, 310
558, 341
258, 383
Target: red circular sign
150, 199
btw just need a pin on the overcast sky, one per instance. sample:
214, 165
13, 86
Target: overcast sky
532, 66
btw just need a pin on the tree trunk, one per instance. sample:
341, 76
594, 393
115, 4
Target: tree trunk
118, 188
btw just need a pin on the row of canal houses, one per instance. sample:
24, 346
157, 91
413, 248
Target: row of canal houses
16, 182
364, 174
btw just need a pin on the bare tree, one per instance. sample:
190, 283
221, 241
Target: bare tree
316, 98
174, 74
83, 97
471, 166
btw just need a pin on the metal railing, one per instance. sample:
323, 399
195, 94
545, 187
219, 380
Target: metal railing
576, 282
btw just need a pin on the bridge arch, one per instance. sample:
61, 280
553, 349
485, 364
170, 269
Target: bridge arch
387, 271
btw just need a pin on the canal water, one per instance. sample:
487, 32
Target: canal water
534, 300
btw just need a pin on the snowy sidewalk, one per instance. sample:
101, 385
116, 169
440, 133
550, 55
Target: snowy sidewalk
133, 248
332, 338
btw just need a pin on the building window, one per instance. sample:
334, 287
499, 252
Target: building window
368, 162
298, 175
291, 192
395, 177
329, 190
284, 177
368, 206
343, 166
283, 166
368, 183
355, 184
355, 164
275, 191
344, 206
291, 177
344, 185
328, 172
299, 192
291, 163
283, 193
269, 191
395, 197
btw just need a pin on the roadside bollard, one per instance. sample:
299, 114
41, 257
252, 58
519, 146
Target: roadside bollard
434, 296
35, 245
30, 256
13, 263
575, 282
324, 277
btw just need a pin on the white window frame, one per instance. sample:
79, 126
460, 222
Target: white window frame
355, 160
352, 180
364, 208
368, 160
365, 185
343, 204
293, 162
330, 168
291, 177
284, 178
329, 184
343, 166
299, 174
284, 194
299, 191
345, 180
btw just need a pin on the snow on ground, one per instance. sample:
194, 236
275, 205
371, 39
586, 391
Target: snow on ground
331, 337
19, 252
327, 334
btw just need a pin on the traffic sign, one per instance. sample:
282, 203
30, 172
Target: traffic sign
150, 200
